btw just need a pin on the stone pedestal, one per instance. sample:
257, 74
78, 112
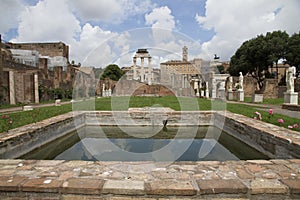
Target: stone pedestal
207, 93
291, 98
202, 93
213, 94
257, 98
230, 95
221, 94
240, 95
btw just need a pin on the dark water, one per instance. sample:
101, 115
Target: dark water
172, 144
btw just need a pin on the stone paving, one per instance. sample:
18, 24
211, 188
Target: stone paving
44, 179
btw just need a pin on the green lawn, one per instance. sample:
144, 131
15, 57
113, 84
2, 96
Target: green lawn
123, 103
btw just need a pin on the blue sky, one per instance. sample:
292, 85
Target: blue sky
100, 32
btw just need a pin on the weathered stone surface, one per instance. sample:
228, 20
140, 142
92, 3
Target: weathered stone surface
125, 187
267, 186
82, 186
222, 186
170, 187
11, 184
81, 197
293, 184
41, 185
131, 198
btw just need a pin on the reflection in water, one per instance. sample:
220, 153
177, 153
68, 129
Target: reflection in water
94, 146
135, 149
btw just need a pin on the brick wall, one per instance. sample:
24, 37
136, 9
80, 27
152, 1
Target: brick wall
45, 49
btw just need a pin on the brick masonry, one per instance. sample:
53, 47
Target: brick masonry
23, 179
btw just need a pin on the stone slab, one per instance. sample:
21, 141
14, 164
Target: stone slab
11, 184
41, 185
231, 186
124, 187
170, 187
291, 98
82, 186
293, 184
267, 186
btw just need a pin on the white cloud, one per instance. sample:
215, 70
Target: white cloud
162, 22
48, 20
91, 49
9, 12
112, 11
161, 18
236, 21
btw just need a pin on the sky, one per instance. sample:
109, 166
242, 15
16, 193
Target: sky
100, 32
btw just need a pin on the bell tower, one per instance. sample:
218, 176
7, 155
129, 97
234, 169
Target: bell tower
184, 54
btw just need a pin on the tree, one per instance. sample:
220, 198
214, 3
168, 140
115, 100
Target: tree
112, 72
251, 58
293, 51
277, 45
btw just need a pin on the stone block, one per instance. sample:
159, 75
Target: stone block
230, 186
11, 184
171, 187
293, 184
257, 98
58, 102
82, 186
267, 186
27, 108
41, 185
125, 187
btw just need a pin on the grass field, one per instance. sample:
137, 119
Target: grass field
123, 103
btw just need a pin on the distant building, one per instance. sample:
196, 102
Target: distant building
178, 74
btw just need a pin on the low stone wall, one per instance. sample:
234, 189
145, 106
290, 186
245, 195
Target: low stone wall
273, 141
150, 117
72, 180
20, 141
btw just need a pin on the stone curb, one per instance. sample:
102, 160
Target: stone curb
190, 179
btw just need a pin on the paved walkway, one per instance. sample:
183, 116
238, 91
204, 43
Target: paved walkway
20, 108
276, 109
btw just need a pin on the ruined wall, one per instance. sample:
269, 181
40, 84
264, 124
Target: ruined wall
133, 88
271, 88
250, 85
297, 86
45, 49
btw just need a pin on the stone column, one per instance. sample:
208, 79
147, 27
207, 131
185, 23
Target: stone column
103, 90
206, 90
230, 92
196, 87
134, 69
12, 98
150, 72
214, 88
142, 70
221, 91
36, 88
182, 81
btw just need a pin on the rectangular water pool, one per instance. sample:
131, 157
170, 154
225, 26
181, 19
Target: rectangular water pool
146, 143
